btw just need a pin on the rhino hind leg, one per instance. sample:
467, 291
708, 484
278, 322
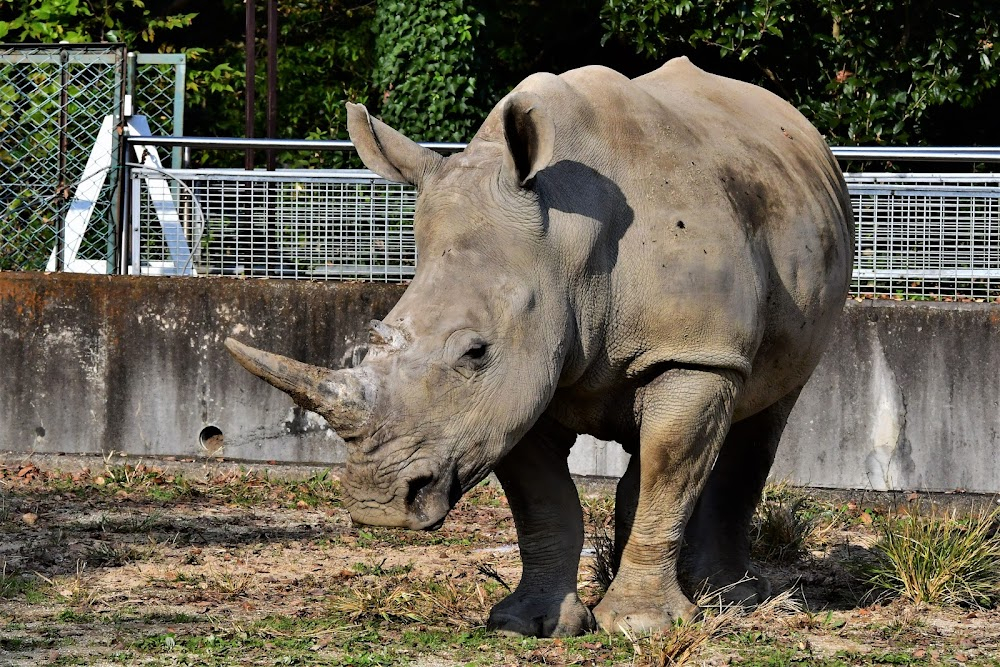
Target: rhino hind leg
549, 520
717, 552
685, 417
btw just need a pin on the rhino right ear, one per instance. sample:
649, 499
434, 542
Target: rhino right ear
530, 135
387, 152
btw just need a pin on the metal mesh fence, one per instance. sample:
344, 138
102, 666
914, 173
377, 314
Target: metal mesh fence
918, 235
157, 89
53, 103
61, 107
346, 225
927, 236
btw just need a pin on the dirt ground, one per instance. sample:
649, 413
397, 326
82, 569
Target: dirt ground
210, 563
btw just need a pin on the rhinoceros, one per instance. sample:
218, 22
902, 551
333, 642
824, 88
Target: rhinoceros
656, 261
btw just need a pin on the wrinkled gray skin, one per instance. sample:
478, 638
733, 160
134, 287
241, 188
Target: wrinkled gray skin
657, 261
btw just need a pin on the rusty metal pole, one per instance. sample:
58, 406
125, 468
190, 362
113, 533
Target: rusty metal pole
62, 189
272, 79
251, 74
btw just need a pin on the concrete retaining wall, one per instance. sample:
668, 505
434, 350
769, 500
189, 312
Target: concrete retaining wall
97, 364
906, 397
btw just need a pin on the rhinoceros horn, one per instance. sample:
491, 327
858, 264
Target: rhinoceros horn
341, 397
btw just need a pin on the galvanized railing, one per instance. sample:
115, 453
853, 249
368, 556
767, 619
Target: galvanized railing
918, 235
307, 224
926, 235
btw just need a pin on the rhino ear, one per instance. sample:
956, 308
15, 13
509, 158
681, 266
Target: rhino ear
530, 134
387, 152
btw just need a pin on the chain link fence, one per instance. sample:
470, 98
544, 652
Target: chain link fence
53, 102
61, 111
156, 84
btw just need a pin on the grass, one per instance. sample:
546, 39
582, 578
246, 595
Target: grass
780, 529
380, 570
599, 517
110, 554
15, 584
232, 582
140, 480
241, 568
939, 560
682, 643
437, 601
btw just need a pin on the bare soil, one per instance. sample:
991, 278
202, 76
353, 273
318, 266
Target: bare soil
210, 563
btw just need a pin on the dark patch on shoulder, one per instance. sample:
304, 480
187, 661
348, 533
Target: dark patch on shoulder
750, 199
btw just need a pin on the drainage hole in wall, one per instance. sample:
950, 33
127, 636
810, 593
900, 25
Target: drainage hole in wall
211, 439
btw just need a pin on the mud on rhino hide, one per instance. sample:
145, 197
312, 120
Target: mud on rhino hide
657, 261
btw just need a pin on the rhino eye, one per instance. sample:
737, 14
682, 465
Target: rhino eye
472, 360
476, 352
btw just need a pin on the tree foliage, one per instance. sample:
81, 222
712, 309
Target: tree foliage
877, 71
874, 72
85, 21
426, 68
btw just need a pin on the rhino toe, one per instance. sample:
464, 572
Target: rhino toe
529, 616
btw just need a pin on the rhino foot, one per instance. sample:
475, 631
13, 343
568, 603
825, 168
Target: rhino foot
530, 615
639, 614
747, 589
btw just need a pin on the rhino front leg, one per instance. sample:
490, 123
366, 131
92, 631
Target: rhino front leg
549, 521
685, 415
718, 534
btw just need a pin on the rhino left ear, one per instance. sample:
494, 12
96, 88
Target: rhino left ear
388, 153
530, 135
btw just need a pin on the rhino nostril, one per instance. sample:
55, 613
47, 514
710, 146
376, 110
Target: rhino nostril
417, 486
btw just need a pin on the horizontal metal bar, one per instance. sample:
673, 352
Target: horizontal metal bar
887, 190
58, 46
846, 153
53, 58
160, 58
948, 178
926, 274
917, 153
284, 175
233, 143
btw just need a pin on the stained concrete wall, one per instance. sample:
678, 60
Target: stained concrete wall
136, 364
906, 397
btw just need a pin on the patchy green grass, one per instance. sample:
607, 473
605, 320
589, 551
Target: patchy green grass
132, 564
14, 585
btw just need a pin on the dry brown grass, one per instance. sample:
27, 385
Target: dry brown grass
232, 580
431, 601
684, 641
780, 530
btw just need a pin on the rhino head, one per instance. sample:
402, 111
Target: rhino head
470, 356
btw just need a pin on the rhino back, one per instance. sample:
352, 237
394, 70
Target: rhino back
708, 219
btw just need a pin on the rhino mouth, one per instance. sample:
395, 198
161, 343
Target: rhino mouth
427, 500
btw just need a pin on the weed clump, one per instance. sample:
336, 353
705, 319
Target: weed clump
599, 517
13, 584
943, 561
780, 528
